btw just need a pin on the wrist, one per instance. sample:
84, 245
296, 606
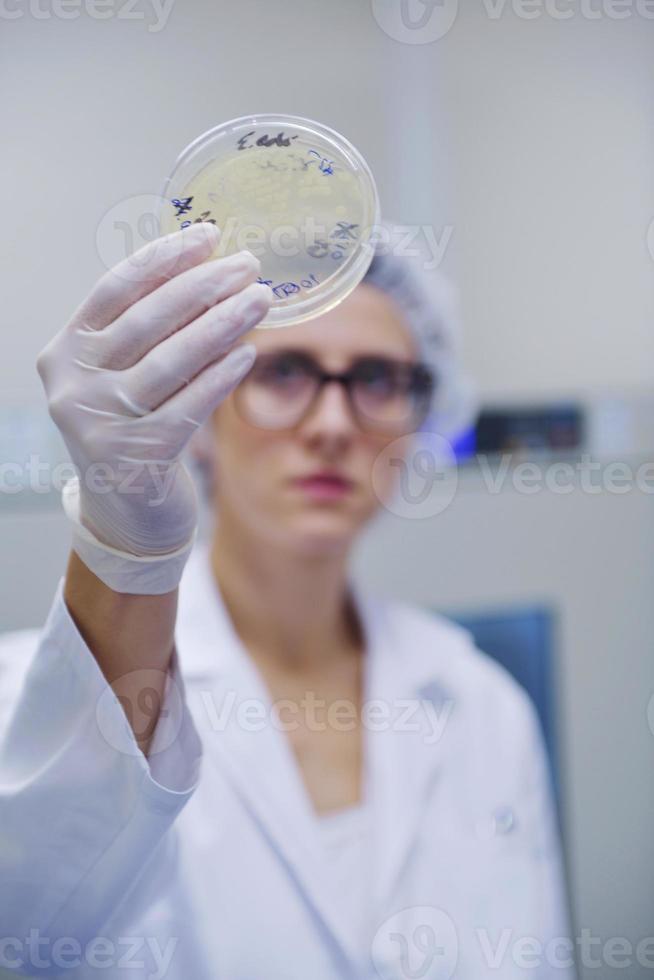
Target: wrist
122, 570
142, 517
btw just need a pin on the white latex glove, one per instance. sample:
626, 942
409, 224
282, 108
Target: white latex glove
140, 366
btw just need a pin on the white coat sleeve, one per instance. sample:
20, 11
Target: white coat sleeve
81, 809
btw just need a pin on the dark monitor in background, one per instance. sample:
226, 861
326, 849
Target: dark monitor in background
553, 428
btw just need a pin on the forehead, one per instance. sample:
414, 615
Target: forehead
366, 322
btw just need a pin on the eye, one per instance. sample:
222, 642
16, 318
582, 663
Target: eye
377, 376
281, 370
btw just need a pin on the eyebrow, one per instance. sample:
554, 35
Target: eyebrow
361, 356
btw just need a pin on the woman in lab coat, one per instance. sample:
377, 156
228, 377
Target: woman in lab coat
228, 760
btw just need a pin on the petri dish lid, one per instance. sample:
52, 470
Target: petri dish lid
295, 193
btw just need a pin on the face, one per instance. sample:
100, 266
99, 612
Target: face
268, 481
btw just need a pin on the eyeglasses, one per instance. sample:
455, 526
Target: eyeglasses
384, 395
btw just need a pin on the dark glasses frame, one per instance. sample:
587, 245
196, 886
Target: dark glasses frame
419, 380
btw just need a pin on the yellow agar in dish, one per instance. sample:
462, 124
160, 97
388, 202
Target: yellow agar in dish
287, 191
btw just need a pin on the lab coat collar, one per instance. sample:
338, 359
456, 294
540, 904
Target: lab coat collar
401, 765
203, 621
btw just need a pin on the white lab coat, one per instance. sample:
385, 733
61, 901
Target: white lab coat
217, 872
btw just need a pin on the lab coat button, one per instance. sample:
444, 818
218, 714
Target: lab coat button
503, 820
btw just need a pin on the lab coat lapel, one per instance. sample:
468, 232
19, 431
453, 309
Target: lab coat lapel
254, 755
406, 754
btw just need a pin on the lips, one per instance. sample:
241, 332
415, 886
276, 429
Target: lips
324, 485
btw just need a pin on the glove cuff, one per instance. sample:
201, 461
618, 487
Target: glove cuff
120, 571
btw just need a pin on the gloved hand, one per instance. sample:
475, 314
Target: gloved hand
140, 366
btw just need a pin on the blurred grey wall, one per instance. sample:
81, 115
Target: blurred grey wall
531, 139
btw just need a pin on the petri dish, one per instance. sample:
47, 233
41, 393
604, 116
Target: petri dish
295, 193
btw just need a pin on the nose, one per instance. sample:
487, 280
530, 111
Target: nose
331, 416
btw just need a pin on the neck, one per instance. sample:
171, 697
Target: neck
290, 608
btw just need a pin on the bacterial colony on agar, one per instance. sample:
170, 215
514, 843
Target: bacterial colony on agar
296, 194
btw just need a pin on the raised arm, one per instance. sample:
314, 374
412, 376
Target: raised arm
142, 363
88, 803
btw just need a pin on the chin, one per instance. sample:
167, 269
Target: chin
321, 533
